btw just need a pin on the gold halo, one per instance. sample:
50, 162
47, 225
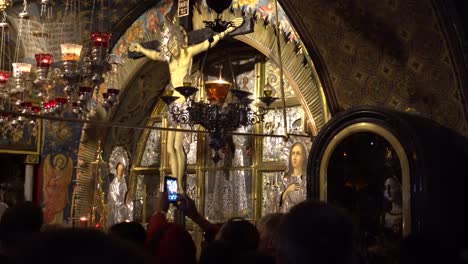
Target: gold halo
62, 157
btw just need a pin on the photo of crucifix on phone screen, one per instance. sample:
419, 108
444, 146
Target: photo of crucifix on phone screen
170, 187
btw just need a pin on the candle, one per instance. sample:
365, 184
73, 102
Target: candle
83, 221
70, 51
43, 60
100, 39
4, 75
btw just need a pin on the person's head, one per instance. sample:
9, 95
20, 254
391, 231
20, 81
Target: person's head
220, 252
171, 244
79, 246
315, 232
297, 158
267, 228
130, 231
119, 170
216, 252
239, 233
59, 161
392, 190
19, 223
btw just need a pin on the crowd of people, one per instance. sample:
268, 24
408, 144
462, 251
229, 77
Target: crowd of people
311, 232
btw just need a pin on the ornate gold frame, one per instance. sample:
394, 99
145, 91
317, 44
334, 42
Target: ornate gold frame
36, 151
394, 142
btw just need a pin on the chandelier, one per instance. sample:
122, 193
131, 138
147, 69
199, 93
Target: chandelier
4, 4
63, 88
216, 115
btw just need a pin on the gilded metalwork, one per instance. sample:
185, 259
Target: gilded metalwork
227, 187
32, 159
139, 211
119, 155
21, 139
99, 207
120, 196
227, 195
300, 81
191, 189
4, 4
152, 149
271, 190
400, 152
307, 88
276, 149
190, 146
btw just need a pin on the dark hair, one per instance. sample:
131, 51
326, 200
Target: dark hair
304, 164
20, 222
316, 232
240, 234
270, 224
130, 231
216, 252
172, 244
79, 246
221, 252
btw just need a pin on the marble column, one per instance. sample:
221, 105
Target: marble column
29, 182
29, 176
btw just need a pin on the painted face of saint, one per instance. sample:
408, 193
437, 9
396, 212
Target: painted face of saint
59, 164
297, 157
119, 170
392, 190
173, 46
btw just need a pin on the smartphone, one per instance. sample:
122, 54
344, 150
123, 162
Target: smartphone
170, 187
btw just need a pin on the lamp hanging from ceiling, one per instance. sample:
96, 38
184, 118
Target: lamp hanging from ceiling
68, 84
215, 114
218, 25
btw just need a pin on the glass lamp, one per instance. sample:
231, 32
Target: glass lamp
70, 51
43, 60
217, 91
21, 69
4, 76
100, 39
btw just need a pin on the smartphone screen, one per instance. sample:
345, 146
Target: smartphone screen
170, 185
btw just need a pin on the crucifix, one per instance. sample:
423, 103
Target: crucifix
178, 48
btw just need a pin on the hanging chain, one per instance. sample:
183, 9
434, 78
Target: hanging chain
45, 10
18, 39
280, 61
92, 17
25, 6
3, 36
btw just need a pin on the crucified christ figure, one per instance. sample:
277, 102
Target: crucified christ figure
179, 56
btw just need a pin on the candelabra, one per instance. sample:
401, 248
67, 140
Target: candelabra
217, 116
